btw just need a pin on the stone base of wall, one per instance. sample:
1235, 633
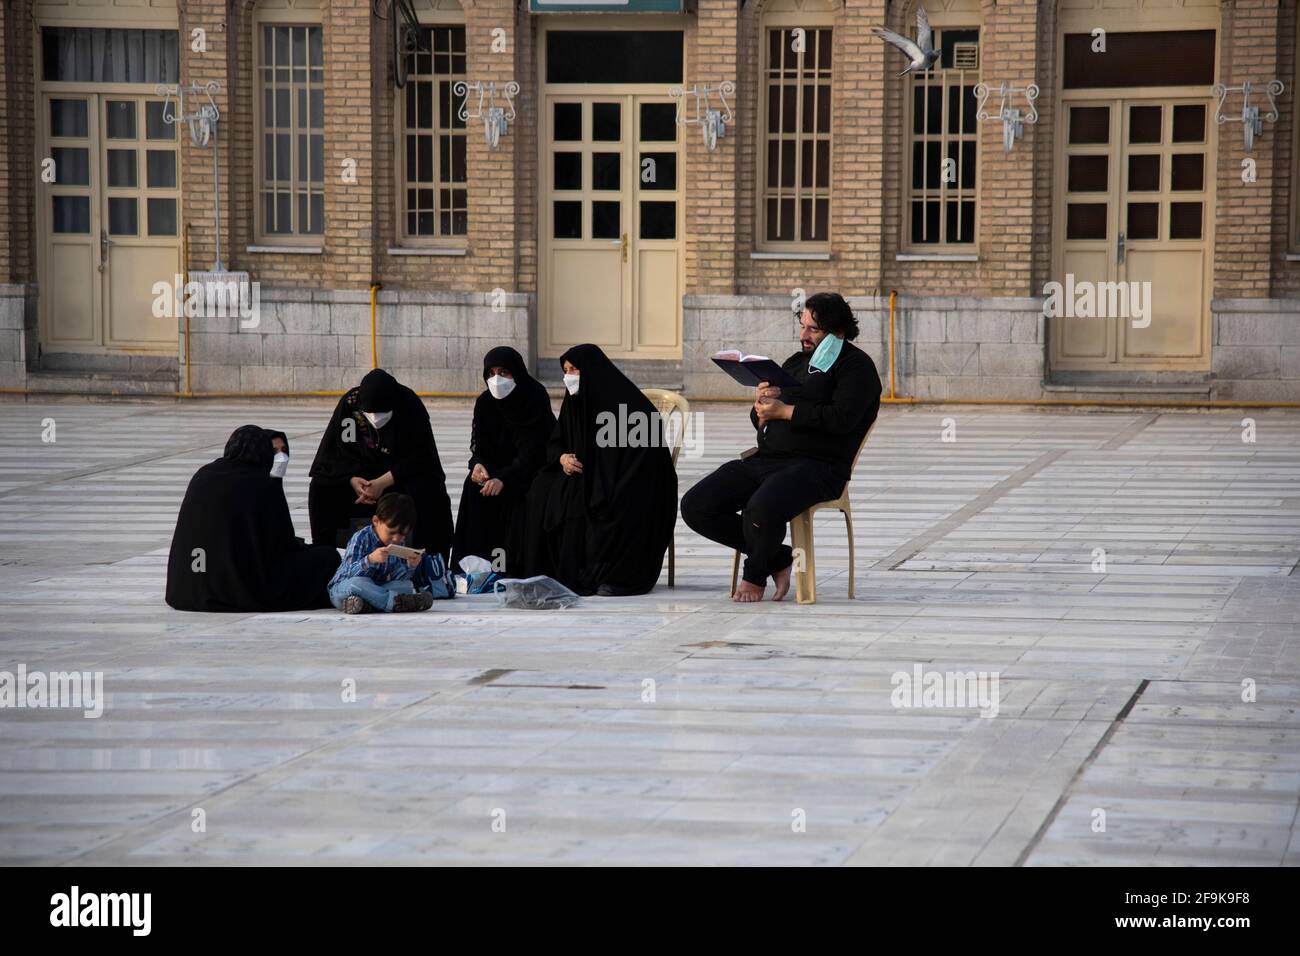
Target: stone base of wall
962, 348
319, 340
1256, 354
14, 338
944, 348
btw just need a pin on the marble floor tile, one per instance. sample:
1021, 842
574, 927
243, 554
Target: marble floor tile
1132, 591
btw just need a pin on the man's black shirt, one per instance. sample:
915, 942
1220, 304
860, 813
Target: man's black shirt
832, 410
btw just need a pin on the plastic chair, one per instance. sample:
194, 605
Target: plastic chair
668, 403
801, 538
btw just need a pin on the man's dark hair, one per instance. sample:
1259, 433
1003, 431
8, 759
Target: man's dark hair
833, 314
396, 511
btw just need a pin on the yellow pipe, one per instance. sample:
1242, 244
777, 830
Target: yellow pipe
185, 256
892, 296
374, 346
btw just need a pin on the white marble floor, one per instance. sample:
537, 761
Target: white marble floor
484, 735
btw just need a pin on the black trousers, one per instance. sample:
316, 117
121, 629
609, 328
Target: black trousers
746, 504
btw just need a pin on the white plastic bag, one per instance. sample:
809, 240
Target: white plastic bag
539, 593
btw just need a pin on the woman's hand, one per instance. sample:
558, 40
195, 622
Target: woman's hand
478, 475
381, 484
570, 464
363, 488
377, 556
492, 487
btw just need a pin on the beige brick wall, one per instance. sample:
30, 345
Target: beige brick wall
1243, 237
1286, 274
17, 144
1254, 226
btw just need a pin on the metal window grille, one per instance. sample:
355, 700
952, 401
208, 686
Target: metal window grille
434, 193
797, 183
292, 182
944, 136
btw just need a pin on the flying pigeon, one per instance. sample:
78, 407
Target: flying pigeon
921, 53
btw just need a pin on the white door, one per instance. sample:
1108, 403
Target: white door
110, 221
611, 224
1135, 207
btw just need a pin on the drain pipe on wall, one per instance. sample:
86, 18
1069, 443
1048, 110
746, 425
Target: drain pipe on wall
374, 339
185, 264
893, 295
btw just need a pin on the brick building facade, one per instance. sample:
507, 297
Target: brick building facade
556, 235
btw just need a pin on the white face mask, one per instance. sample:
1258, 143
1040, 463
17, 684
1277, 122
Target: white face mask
279, 464
378, 419
571, 383
500, 386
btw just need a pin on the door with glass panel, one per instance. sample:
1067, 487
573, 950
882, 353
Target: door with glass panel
111, 220
611, 223
1135, 207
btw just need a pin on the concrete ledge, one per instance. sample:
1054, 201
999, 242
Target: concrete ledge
1257, 305
428, 251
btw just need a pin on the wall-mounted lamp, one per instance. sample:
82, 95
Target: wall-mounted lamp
202, 119
1013, 121
712, 122
1252, 122
496, 119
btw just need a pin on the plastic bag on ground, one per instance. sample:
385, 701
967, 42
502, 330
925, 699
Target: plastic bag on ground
539, 593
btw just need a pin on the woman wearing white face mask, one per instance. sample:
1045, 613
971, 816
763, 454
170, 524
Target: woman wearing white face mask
235, 513
378, 440
601, 512
512, 422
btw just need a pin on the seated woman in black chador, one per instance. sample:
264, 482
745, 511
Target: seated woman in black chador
512, 422
378, 440
601, 513
234, 548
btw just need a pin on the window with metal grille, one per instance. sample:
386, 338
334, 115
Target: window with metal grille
434, 197
943, 137
795, 202
291, 181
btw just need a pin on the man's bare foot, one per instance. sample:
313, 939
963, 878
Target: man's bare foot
747, 593
782, 581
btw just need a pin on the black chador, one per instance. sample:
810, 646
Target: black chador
605, 530
508, 439
234, 548
379, 427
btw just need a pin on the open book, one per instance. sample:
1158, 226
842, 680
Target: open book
753, 369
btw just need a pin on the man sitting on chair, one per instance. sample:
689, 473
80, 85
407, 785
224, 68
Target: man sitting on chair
808, 437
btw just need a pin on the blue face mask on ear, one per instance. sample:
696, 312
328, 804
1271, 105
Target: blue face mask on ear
826, 353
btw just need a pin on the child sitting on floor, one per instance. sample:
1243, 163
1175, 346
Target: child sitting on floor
369, 577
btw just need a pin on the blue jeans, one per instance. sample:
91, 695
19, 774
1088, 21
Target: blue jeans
379, 596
